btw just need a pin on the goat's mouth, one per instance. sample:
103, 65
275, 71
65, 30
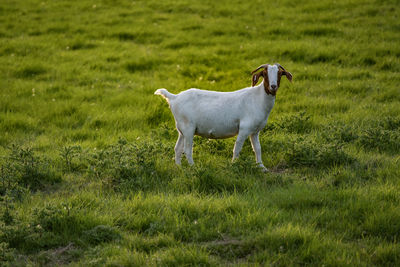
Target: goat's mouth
273, 90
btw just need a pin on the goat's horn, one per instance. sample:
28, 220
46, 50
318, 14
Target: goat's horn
280, 66
262, 66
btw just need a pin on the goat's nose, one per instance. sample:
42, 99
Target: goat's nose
273, 87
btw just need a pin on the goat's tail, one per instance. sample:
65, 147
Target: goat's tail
164, 93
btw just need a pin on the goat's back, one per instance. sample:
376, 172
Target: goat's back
203, 102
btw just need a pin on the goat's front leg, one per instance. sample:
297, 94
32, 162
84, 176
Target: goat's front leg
255, 143
239, 143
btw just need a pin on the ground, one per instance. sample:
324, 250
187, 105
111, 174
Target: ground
87, 170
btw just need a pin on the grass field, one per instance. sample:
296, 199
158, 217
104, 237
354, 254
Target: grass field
87, 174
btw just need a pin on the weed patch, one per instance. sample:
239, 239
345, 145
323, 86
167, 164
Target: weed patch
23, 168
380, 139
63, 221
127, 166
305, 152
69, 156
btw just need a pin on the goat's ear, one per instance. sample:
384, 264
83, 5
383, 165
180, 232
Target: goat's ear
256, 76
288, 75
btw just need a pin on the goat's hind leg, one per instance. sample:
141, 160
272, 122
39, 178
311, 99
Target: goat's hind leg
188, 147
179, 148
187, 131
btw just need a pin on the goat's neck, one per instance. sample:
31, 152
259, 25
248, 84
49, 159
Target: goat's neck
267, 91
265, 101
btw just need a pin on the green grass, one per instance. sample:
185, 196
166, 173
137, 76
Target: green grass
87, 175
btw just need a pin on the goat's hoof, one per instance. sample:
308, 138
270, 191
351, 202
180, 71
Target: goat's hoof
263, 169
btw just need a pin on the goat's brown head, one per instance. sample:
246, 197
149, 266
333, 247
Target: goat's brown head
272, 75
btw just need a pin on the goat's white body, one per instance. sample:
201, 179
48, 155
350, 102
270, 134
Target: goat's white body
219, 115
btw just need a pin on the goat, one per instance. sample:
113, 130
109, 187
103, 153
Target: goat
217, 115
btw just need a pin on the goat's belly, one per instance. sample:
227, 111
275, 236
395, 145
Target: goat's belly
217, 132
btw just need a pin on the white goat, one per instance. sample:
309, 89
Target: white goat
225, 114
